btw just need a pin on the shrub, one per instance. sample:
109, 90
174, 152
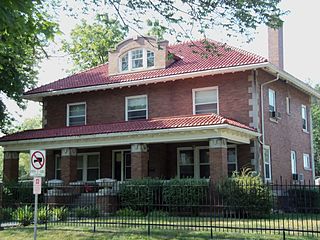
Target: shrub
158, 214
128, 212
246, 194
139, 194
81, 212
185, 194
60, 213
94, 212
304, 199
6, 214
24, 215
44, 214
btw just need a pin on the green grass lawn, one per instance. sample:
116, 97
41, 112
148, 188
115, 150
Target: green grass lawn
82, 233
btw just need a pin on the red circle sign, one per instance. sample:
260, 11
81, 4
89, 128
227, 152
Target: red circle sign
38, 160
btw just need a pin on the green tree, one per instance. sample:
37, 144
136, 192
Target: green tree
156, 29
315, 112
25, 29
24, 158
90, 43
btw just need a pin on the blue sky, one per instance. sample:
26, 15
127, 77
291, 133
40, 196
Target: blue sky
301, 48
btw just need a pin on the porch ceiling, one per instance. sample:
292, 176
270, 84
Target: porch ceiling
161, 130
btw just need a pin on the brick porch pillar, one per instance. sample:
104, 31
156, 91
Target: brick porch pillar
139, 161
50, 164
11, 166
68, 165
218, 159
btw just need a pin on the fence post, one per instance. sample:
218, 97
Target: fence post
47, 208
1, 214
148, 207
211, 208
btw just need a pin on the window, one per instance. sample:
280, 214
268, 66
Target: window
125, 62
267, 162
306, 161
121, 164
232, 160
293, 162
76, 114
205, 100
88, 166
57, 167
137, 59
304, 118
288, 105
272, 100
193, 162
136, 107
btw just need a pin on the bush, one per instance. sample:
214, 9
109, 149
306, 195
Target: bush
158, 214
81, 212
304, 199
185, 194
139, 194
24, 215
15, 194
60, 213
6, 214
44, 214
128, 212
246, 195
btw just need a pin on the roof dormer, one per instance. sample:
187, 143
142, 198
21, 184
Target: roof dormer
138, 54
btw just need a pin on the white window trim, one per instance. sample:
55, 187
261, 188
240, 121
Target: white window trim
73, 104
85, 164
309, 160
122, 162
288, 105
266, 147
132, 97
144, 60
55, 165
196, 160
306, 118
236, 148
194, 90
293, 153
274, 100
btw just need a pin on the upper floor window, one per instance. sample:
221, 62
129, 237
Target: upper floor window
272, 100
293, 162
205, 100
288, 105
76, 114
137, 59
304, 118
136, 107
306, 161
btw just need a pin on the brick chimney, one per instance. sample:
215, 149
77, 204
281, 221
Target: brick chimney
275, 46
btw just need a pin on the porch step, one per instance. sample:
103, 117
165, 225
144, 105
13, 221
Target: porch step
85, 199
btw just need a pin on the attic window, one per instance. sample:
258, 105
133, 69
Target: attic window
137, 59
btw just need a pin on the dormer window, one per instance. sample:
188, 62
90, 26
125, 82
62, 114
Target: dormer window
137, 59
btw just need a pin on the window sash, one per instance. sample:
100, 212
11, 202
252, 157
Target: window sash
272, 100
205, 100
267, 163
136, 108
76, 114
288, 105
306, 161
304, 117
293, 162
150, 59
125, 62
86, 171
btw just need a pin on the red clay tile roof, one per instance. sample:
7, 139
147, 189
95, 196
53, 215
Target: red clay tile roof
131, 126
189, 61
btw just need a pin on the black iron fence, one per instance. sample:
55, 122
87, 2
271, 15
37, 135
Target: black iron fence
230, 206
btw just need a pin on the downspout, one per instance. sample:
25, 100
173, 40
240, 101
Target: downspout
311, 141
262, 113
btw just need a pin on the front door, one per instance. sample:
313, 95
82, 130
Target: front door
121, 165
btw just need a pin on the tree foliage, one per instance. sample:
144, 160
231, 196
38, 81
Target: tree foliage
315, 111
25, 28
90, 43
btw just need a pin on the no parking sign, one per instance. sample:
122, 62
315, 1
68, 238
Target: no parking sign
37, 163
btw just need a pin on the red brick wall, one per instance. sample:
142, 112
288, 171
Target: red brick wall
287, 134
164, 99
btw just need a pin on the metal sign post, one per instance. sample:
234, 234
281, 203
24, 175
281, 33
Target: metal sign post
37, 170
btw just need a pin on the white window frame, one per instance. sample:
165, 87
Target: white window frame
196, 160
267, 148
194, 90
122, 163
293, 162
85, 112
236, 151
133, 97
304, 109
57, 156
85, 164
306, 164
288, 105
144, 60
273, 92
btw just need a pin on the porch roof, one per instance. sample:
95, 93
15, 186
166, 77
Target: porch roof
122, 130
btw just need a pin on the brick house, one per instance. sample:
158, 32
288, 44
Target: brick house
160, 110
